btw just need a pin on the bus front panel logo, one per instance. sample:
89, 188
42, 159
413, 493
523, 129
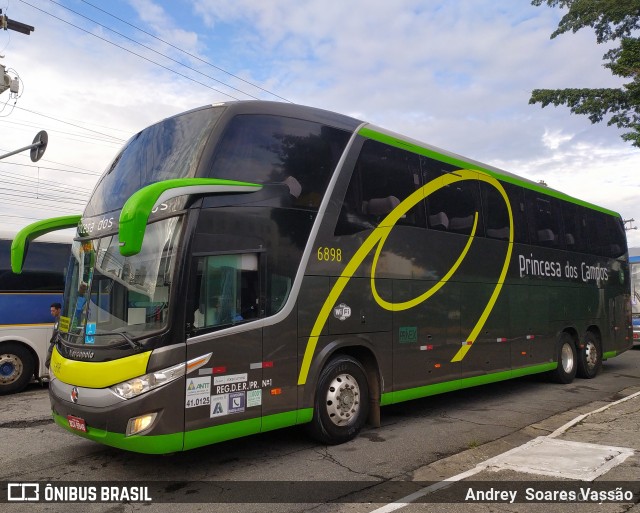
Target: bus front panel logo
81, 354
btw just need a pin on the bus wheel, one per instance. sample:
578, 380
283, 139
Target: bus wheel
589, 357
567, 360
342, 401
16, 368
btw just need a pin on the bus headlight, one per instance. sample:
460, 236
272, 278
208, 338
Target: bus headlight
142, 384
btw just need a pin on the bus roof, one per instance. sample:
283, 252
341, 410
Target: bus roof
386, 136
403, 142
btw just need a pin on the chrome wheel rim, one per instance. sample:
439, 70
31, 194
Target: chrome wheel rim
566, 358
591, 355
343, 400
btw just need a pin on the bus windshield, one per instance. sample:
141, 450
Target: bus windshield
169, 149
112, 299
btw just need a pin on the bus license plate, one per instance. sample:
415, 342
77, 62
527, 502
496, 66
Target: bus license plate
77, 423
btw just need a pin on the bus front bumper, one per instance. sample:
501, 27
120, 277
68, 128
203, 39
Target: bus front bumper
102, 416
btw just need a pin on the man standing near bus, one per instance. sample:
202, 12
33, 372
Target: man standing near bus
55, 313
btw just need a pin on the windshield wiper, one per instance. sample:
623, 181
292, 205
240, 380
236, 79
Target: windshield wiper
133, 343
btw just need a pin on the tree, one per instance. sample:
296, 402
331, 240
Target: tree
611, 20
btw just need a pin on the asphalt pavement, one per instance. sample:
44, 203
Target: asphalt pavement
586, 459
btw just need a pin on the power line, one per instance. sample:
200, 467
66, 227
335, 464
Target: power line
43, 190
67, 122
54, 184
51, 168
30, 205
110, 138
154, 51
61, 132
27, 206
42, 203
58, 211
78, 138
23, 217
128, 132
46, 187
185, 52
46, 184
131, 52
40, 195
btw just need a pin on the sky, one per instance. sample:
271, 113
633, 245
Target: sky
456, 74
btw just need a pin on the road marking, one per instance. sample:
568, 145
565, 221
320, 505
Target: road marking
580, 418
405, 501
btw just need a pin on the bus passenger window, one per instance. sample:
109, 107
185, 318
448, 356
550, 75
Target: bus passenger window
453, 208
496, 213
383, 177
228, 290
575, 226
545, 227
266, 149
606, 234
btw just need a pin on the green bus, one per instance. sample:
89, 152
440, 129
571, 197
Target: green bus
248, 266
634, 265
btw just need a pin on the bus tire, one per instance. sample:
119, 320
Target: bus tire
589, 357
341, 403
16, 367
567, 360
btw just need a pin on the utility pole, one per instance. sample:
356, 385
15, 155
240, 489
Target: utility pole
630, 226
6, 82
8, 24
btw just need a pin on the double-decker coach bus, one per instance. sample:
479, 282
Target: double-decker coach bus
26, 325
634, 264
253, 265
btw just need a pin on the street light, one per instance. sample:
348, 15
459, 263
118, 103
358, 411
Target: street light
7, 24
37, 147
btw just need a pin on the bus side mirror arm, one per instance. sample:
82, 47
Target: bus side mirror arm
20, 243
137, 209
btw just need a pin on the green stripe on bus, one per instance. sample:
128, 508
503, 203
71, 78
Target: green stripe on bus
152, 444
458, 384
175, 442
609, 354
221, 433
224, 432
414, 148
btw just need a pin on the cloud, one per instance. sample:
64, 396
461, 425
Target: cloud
553, 139
457, 75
